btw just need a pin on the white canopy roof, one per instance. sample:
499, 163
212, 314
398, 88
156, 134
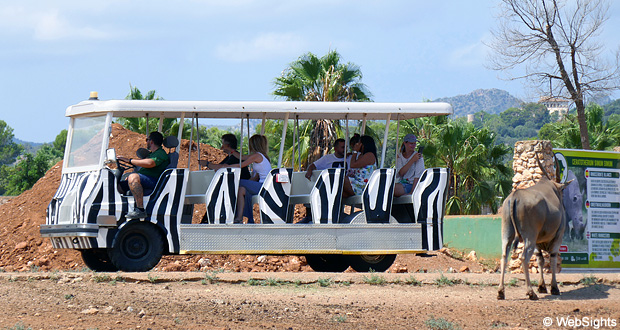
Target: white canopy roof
259, 109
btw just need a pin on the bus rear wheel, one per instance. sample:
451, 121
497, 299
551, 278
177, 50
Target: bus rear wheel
138, 248
333, 263
98, 260
371, 262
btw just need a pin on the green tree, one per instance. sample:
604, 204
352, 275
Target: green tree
9, 150
603, 133
21, 177
478, 174
60, 142
311, 78
30, 168
139, 124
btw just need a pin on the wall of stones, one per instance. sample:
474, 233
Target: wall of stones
527, 173
525, 166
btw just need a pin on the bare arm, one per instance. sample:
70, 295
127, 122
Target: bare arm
403, 170
146, 162
363, 160
311, 168
253, 158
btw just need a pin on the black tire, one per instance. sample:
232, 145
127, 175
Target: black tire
367, 263
138, 247
98, 260
333, 263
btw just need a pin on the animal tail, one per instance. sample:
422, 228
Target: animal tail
512, 219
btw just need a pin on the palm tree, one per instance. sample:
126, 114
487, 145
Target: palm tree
476, 163
311, 78
139, 124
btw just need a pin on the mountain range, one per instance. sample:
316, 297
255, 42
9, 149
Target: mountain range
491, 101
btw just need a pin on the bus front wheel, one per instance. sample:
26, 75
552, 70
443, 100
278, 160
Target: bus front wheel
371, 262
98, 260
333, 263
138, 248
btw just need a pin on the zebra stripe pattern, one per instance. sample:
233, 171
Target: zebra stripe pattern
67, 181
274, 196
326, 196
93, 194
429, 199
378, 194
68, 243
221, 196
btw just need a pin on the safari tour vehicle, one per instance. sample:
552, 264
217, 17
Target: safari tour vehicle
87, 213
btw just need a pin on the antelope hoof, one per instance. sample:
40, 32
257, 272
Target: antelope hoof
500, 295
542, 288
555, 291
532, 295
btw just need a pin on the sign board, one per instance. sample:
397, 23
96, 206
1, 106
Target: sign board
592, 203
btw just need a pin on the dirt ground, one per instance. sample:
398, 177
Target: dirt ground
43, 288
227, 300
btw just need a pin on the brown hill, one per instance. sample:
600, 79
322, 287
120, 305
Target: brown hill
23, 249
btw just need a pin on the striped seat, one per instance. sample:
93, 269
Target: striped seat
429, 199
273, 197
221, 195
326, 196
376, 200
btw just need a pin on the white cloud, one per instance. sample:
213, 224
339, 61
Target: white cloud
46, 25
264, 46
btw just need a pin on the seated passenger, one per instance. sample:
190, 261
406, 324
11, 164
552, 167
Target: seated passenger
148, 174
409, 167
330, 160
229, 146
363, 163
248, 188
354, 139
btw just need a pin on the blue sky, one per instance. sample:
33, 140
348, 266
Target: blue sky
53, 53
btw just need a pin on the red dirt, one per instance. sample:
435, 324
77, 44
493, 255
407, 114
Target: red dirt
23, 249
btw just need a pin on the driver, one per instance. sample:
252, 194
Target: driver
148, 174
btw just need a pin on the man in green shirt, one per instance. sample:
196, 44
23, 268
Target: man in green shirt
148, 174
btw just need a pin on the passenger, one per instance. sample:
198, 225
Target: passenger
330, 160
229, 146
363, 163
354, 139
146, 177
248, 188
409, 166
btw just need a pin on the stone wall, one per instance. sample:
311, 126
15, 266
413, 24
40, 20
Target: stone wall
525, 165
527, 173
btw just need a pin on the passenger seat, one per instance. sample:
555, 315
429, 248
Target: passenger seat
172, 142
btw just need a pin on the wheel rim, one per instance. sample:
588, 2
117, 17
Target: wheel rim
135, 246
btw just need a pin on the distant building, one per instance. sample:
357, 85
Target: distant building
470, 118
555, 104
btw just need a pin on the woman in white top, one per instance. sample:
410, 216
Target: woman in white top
248, 188
409, 166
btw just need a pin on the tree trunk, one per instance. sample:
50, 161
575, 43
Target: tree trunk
323, 134
583, 126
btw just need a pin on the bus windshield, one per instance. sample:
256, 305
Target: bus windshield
86, 141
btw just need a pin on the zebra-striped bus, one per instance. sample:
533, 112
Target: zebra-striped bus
88, 211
